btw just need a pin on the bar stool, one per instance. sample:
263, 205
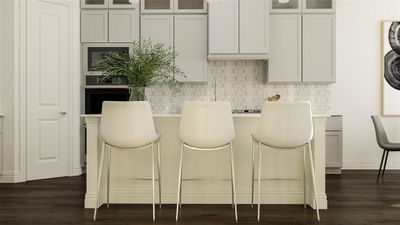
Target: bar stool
206, 126
284, 126
127, 126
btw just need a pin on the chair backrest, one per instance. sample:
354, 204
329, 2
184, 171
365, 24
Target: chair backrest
206, 124
127, 124
380, 132
285, 124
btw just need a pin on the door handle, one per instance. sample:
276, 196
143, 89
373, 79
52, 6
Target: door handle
63, 113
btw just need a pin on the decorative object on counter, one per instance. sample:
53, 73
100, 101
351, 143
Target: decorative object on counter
391, 68
148, 64
274, 98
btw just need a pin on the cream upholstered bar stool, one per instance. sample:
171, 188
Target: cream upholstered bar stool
284, 126
206, 126
128, 126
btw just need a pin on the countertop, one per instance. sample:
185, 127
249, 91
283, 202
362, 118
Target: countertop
168, 115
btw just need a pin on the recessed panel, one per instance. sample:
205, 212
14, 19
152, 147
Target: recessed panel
48, 140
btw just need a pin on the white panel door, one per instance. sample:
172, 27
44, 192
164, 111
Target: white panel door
319, 48
285, 56
254, 26
158, 28
94, 26
123, 25
48, 70
191, 45
223, 26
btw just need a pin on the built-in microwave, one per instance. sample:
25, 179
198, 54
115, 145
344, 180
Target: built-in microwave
94, 52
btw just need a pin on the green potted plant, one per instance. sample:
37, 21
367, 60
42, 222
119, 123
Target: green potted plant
148, 63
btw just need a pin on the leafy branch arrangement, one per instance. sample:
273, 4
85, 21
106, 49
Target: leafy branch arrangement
148, 63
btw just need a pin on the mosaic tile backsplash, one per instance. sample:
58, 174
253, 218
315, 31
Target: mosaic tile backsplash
243, 84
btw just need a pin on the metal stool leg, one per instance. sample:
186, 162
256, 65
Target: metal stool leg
259, 181
380, 167
233, 182
108, 176
152, 180
304, 177
252, 173
179, 185
159, 172
313, 179
99, 180
384, 166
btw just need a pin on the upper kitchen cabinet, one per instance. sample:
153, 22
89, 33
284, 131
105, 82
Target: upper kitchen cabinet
121, 4
285, 6
109, 25
158, 28
174, 6
319, 48
319, 6
94, 4
238, 29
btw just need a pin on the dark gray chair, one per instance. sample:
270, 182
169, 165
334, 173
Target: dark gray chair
384, 143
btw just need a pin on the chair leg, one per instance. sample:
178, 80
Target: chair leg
304, 178
152, 180
384, 166
159, 172
108, 175
179, 184
380, 167
259, 181
313, 179
252, 173
233, 182
99, 180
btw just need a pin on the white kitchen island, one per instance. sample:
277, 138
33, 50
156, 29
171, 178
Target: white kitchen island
285, 168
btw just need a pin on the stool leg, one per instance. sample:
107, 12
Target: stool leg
313, 179
259, 181
233, 182
304, 177
152, 179
384, 167
108, 176
159, 172
179, 184
380, 167
252, 173
99, 180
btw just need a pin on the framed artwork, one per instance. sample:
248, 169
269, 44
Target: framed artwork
391, 68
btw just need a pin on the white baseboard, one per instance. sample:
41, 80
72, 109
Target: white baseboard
294, 197
12, 177
77, 170
369, 166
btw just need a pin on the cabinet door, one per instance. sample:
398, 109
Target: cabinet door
191, 44
285, 56
94, 26
319, 6
286, 6
123, 25
333, 148
94, 4
158, 28
254, 26
223, 26
157, 6
122, 3
190, 6
318, 48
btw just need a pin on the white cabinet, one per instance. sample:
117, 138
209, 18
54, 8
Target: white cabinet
319, 6
309, 6
123, 26
173, 6
94, 26
121, 4
223, 26
109, 25
1, 144
191, 44
319, 48
187, 34
334, 144
158, 28
285, 56
94, 4
239, 29
281, 6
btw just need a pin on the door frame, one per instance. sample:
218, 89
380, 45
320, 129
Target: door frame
20, 153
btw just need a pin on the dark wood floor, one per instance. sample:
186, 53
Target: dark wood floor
354, 199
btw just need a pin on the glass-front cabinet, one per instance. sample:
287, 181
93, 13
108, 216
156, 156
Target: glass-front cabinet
121, 4
293, 6
174, 6
94, 4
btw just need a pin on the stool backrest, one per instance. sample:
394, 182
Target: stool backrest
285, 124
127, 124
206, 124
380, 132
